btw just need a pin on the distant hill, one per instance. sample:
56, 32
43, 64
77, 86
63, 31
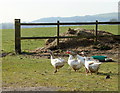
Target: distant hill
87, 18
6, 26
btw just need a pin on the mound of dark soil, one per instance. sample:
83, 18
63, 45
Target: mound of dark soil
108, 42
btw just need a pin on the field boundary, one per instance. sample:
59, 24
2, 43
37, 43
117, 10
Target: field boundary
18, 37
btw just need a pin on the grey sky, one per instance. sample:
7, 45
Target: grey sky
28, 10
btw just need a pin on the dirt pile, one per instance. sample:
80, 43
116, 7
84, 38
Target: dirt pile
108, 42
104, 43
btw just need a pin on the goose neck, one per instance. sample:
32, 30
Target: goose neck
70, 57
52, 56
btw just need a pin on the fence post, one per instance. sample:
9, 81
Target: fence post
58, 30
96, 31
17, 37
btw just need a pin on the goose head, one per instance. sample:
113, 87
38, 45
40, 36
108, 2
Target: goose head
51, 54
70, 52
49, 51
73, 54
83, 53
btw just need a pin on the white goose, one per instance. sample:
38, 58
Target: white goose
90, 64
75, 64
56, 62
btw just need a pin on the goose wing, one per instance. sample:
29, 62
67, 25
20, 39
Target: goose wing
94, 66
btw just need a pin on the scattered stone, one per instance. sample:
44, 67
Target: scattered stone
71, 31
3, 54
108, 77
48, 41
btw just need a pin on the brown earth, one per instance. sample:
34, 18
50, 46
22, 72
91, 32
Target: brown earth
106, 45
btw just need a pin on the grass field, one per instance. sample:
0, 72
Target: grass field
21, 71
24, 71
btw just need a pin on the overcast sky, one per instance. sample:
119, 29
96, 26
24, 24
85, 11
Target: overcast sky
29, 10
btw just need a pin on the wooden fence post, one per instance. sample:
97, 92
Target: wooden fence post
96, 31
17, 37
58, 30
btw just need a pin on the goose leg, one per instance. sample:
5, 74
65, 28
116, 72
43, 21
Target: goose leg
97, 72
91, 72
55, 71
75, 70
87, 71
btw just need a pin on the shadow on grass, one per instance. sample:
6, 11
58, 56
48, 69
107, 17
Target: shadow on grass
104, 74
28, 53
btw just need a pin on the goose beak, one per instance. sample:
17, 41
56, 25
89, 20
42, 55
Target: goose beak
68, 52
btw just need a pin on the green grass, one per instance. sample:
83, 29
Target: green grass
20, 70
28, 72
